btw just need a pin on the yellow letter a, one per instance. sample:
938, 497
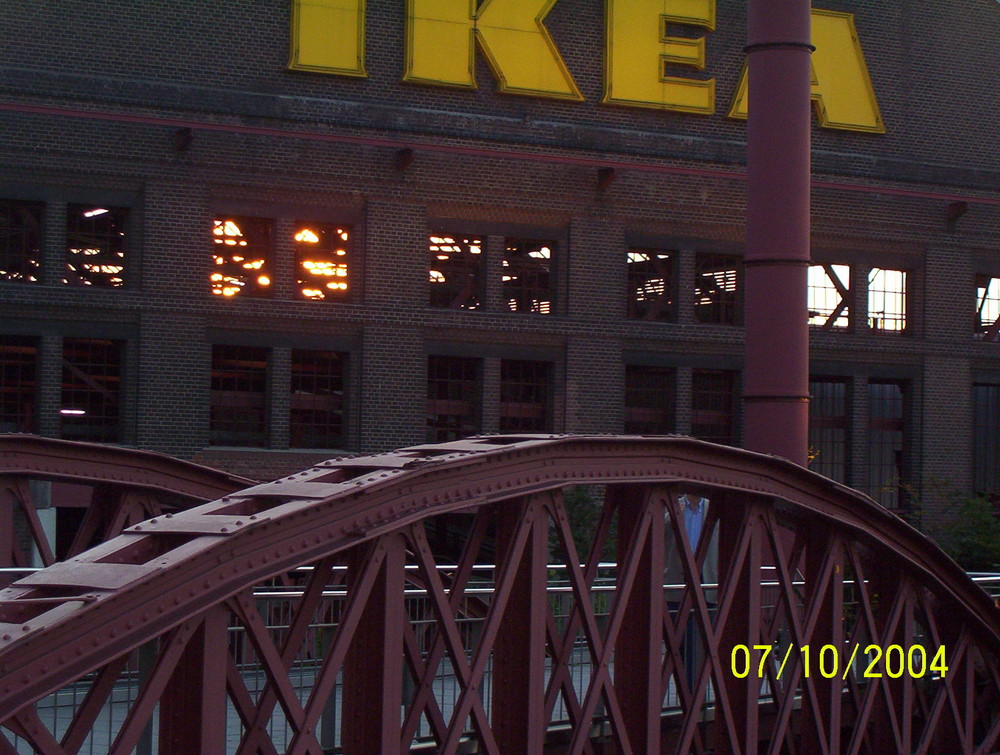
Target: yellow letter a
842, 89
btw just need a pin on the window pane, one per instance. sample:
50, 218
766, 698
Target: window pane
527, 276
986, 439
524, 396
713, 398
828, 428
651, 285
452, 398
20, 240
988, 307
95, 245
716, 292
886, 442
649, 400
887, 300
829, 295
91, 390
316, 417
18, 375
455, 271
241, 252
322, 260
239, 396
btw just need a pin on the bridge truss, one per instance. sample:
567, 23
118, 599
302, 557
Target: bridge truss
176, 609
113, 487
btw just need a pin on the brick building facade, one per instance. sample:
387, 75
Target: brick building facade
208, 253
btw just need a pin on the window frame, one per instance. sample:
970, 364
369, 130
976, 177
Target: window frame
27, 206
655, 309
225, 437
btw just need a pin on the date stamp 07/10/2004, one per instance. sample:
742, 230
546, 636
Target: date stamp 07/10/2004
893, 661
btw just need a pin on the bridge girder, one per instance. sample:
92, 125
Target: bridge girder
802, 563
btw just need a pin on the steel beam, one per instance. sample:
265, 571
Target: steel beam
193, 704
519, 654
373, 666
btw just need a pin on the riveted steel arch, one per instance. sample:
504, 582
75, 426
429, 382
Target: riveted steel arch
120, 487
802, 562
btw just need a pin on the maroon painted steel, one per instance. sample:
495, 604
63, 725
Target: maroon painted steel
126, 487
776, 345
652, 652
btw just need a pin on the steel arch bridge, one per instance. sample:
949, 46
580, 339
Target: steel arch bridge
324, 610
113, 487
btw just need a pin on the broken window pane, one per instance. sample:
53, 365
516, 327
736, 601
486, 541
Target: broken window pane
239, 396
321, 261
829, 296
20, 240
651, 285
18, 375
887, 300
828, 427
988, 308
95, 245
524, 396
716, 292
649, 400
455, 271
91, 389
527, 275
886, 403
317, 403
241, 251
713, 399
452, 398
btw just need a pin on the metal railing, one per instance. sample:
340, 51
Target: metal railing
275, 603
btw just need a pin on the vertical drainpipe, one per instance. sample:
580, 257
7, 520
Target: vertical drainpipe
776, 371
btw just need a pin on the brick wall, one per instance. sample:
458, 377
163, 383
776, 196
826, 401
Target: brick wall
121, 58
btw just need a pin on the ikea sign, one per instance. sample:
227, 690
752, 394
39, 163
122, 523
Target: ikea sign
444, 36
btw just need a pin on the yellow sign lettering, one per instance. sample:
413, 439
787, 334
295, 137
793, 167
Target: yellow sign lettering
639, 51
441, 36
842, 90
328, 36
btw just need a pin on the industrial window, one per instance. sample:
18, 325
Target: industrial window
986, 439
20, 240
452, 398
239, 396
713, 400
828, 428
18, 375
95, 245
649, 400
988, 308
651, 285
524, 396
716, 288
455, 271
887, 300
886, 423
241, 250
829, 296
322, 260
527, 276
90, 408
316, 418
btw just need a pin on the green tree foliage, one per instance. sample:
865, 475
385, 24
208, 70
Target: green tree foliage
968, 529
